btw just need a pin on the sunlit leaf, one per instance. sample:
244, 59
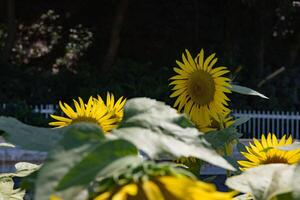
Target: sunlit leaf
7, 191
265, 181
160, 132
246, 91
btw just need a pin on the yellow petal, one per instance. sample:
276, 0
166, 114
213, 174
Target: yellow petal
152, 191
207, 61
103, 196
190, 59
59, 118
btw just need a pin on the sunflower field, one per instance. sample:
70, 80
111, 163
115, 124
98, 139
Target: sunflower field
114, 148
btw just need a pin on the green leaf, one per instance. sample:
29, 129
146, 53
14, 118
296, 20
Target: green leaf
120, 166
162, 133
241, 120
155, 115
164, 147
294, 146
218, 139
98, 159
265, 181
286, 196
29, 137
79, 139
232, 160
246, 91
241, 147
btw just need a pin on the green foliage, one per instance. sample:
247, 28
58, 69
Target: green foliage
219, 139
77, 159
29, 137
77, 142
98, 159
246, 91
241, 120
157, 130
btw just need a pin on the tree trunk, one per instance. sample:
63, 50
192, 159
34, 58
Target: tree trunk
115, 35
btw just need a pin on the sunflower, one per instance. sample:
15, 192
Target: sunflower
115, 107
106, 116
200, 89
166, 188
223, 120
263, 152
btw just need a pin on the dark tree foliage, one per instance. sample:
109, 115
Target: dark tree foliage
258, 36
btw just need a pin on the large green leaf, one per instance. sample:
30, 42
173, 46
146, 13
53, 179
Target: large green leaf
162, 133
29, 137
105, 153
79, 139
157, 116
265, 181
246, 91
120, 166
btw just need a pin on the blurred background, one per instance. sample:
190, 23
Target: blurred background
59, 50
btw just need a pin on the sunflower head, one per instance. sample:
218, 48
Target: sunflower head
223, 120
263, 152
200, 88
156, 183
115, 107
107, 116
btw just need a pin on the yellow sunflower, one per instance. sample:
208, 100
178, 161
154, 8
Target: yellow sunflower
262, 152
166, 188
200, 89
106, 116
223, 120
115, 107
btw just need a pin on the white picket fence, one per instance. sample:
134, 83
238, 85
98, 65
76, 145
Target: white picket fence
278, 122
260, 121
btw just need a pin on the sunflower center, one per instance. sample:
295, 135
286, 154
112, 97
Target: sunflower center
84, 119
275, 159
201, 87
